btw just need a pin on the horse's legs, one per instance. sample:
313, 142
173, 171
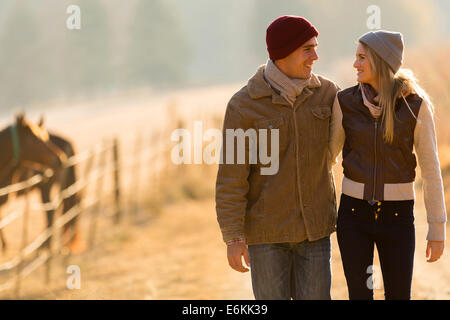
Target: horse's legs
76, 243
2, 237
45, 196
69, 226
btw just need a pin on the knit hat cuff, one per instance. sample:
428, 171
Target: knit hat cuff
295, 43
383, 49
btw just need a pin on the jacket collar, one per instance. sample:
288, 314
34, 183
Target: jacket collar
258, 87
358, 100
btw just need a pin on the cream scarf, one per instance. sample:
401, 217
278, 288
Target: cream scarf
289, 88
369, 95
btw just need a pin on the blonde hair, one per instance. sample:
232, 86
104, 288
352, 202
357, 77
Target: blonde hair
392, 86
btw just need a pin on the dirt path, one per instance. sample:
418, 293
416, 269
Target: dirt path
179, 255
430, 280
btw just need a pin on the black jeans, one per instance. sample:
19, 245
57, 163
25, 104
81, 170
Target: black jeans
390, 226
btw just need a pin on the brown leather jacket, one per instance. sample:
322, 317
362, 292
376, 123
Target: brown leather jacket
298, 202
366, 158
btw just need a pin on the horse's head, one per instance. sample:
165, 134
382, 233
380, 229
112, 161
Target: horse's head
33, 145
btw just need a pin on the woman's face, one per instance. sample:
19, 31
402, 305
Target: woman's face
362, 65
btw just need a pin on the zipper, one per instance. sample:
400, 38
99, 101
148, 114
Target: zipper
297, 160
375, 163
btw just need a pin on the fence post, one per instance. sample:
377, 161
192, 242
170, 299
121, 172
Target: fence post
136, 168
95, 213
24, 239
84, 179
162, 159
156, 165
116, 171
172, 168
48, 264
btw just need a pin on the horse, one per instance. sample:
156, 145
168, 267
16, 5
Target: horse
64, 179
25, 146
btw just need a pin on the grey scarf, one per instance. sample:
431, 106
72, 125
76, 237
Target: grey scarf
289, 88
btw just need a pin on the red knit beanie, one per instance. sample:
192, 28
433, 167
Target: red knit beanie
287, 33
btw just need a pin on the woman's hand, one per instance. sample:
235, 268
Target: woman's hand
434, 250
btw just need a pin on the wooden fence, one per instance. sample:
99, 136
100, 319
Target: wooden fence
101, 162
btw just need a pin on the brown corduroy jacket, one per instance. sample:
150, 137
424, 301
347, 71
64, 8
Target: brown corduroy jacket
299, 201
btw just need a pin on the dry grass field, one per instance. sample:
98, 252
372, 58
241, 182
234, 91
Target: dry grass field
175, 251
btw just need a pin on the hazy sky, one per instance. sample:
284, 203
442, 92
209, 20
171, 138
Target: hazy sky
181, 42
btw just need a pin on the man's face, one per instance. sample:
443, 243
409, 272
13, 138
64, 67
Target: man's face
299, 63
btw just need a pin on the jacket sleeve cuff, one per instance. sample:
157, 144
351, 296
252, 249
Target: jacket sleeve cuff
436, 231
232, 235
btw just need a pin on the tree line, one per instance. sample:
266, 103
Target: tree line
40, 58
160, 43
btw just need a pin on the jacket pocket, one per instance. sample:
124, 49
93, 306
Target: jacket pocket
320, 122
270, 124
321, 111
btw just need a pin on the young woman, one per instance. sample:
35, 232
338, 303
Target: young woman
379, 122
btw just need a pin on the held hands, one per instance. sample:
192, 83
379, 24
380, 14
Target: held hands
235, 252
434, 250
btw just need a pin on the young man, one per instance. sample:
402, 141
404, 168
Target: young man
286, 217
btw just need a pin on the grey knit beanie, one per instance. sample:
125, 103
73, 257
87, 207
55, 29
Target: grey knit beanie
388, 45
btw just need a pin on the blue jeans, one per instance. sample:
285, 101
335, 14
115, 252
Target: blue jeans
301, 271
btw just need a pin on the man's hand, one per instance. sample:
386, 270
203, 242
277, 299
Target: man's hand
235, 252
434, 250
